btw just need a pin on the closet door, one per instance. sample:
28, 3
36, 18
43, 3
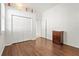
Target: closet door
21, 28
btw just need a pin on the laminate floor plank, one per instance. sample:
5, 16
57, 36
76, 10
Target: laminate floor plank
39, 47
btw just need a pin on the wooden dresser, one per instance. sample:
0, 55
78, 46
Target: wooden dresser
57, 37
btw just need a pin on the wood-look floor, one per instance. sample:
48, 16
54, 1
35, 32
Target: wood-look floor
39, 47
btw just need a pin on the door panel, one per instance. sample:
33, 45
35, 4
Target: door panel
21, 28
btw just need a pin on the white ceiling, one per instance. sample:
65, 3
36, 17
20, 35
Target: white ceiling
40, 7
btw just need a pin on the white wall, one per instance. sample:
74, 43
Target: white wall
38, 24
9, 28
2, 20
2, 17
6, 36
63, 17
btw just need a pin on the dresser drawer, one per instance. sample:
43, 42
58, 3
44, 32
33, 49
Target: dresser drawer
57, 37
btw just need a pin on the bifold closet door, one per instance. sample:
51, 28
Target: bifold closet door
21, 28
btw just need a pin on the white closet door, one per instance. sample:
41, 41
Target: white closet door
21, 28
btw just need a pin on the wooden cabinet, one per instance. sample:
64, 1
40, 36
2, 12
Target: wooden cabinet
57, 37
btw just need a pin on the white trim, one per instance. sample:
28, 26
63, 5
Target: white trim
21, 41
2, 50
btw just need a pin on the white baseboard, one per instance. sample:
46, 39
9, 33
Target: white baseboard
72, 45
2, 50
21, 41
